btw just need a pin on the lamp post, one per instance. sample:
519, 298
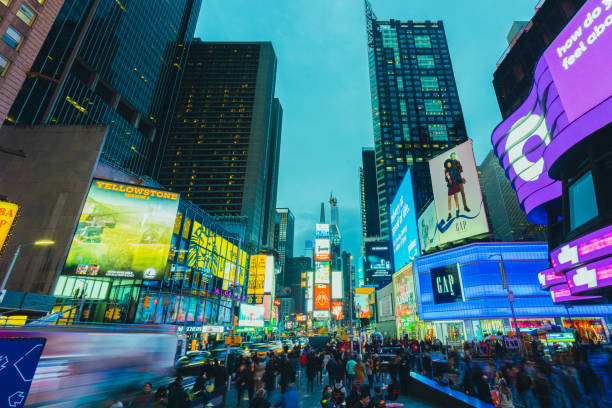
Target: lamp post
502, 271
40, 242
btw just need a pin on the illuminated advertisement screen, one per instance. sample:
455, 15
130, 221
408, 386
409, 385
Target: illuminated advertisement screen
267, 302
251, 315
322, 250
124, 231
460, 211
363, 300
269, 274
336, 309
404, 224
309, 291
589, 247
428, 230
405, 293
257, 275
562, 294
548, 278
446, 283
322, 231
337, 288
322, 272
321, 297
378, 266
8, 212
596, 275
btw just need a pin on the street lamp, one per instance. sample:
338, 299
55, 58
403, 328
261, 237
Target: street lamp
40, 242
502, 271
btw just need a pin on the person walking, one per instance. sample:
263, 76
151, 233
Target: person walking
177, 396
311, 371
359, 369
259, 401
331, 367
242, 378
350, 372
144, 399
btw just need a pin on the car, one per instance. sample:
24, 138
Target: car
192, 362
262, 349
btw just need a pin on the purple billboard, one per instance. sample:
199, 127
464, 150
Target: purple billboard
570, 99
562, 294
549, 278
590, 277
594, 245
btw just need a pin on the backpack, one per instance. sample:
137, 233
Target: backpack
338, 396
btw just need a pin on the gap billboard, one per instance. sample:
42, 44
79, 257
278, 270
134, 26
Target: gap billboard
124, 231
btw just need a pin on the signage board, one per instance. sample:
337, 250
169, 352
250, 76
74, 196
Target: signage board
322, 231
548, 278
322, 249
428, 230
363, 300
257, 275
124, 231
321, 314
337, 285
251, 315
321, 297
589, 247
322, 272
269, 274
447, 285
460, 209
19, 359
404, 224
378, 266
8, 213
405, 294
336, 309
309, 291
594, 276
562, 294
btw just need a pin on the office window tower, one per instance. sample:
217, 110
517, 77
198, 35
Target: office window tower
223, 145
106, 62
285, 239
370, 221
415, 106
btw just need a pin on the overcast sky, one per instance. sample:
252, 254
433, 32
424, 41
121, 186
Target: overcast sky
323, 85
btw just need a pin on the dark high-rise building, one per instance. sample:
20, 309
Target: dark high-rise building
284, 240
415, 106
370, 221
109, 62
222, 147
527, 41
335, 237
506, 218
296, 269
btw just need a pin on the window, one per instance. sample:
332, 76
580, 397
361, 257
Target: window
4, 65
12, 37
425, 61
433, 107
582, 201
26, 14
422, 41
438, 132
429, 83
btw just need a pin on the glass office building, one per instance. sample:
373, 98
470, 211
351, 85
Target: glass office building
415, 106
108, 62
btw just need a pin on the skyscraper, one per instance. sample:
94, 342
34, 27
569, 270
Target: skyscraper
415, 106
24, 27
334, 233
284, 245
370, 221
222, 147
108, 62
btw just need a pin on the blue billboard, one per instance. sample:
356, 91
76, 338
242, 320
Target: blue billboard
404, 225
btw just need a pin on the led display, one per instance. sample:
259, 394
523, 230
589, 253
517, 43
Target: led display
404, 224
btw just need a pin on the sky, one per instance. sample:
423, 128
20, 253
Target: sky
323, 85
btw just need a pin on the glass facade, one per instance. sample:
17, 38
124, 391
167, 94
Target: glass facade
117, 76
415, 105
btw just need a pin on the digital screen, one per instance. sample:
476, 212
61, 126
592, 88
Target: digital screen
269, 274
124, 231
562, 294
8, 212
336, 309
322, 272
257, 274
321, 297
378, 266
322, 250
591, 246
590, 277
322, 231
446, 283
251, 315
460, 210
405, 293
548, 278
337, 287
404, 224
362, 304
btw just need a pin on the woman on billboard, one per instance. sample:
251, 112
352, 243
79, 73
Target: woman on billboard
454, 182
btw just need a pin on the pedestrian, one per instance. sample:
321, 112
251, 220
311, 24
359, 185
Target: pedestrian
369, 366
177, 396
242, 378
259, 400
311, 371
378, 400
160, 399
251, 380
326, 398
364, 401
290, 399
338, 393
359, 369
505, 394
350, 372
144, 399
331, 369
287, 374
220, 381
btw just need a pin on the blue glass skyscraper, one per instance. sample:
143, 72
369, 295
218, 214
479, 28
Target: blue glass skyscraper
415, 106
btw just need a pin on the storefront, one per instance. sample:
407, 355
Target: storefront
200, 337
589, 330
448, 332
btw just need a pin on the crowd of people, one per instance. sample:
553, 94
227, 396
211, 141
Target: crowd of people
376, 373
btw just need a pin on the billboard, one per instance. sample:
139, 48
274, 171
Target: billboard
322, 272
571, 98
322, 231
257, 275
251, 315
309, 291
404, 290
321, 297
446, 284
8, 213
322, 249
337, 287
363, 300
404, 224
124, 231
428, 231
269, 274
378, 268
336, 309
458, 202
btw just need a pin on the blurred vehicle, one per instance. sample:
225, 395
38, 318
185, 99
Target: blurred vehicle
317, 342
288, 345
262, 349
220, 355
192, 362
90, 365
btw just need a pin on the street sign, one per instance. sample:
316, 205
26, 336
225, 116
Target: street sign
18, 361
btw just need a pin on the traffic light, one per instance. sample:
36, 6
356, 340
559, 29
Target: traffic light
145, 302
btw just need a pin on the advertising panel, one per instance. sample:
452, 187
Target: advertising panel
321, 314
378, 268
336, 309
269, 274
322, 249
404, 224
124, 231
548, 278
251, 315
322, 272
363, 299
8, 213
337, 285
322, 231
562, 294
446, 283
321, 297
309, 291
257, 274
405, 297
267, 300
428, 231
571, 98
458, 200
